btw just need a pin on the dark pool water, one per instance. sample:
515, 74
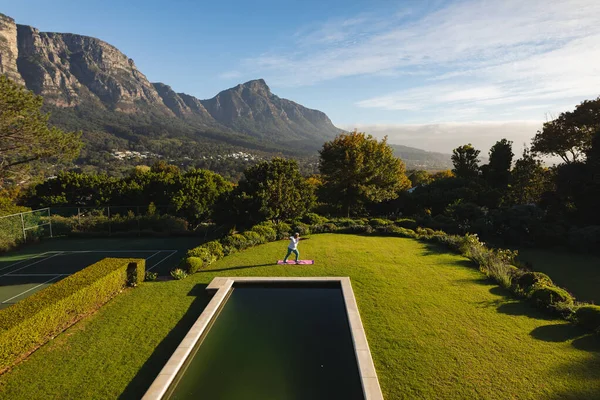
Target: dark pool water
274, 342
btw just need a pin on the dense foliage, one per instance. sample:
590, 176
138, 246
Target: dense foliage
27, 143
271, 190
189, 194
358, 170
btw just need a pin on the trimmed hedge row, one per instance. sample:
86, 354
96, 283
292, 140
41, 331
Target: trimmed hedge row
32, 322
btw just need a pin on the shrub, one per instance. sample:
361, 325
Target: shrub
314, 219
525, 280
346, 222
282, 229
267, 233
151, 276
374, 222
357, 229
33, 321
550, 297
407, 223
235, 241
301, 228
215, 248
193, 264
178, 274
324, 228
253, 238
588, 316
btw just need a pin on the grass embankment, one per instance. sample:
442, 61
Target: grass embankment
578, 273
436, 329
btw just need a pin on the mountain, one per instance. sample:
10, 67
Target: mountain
420, 159
90, 85
252, 108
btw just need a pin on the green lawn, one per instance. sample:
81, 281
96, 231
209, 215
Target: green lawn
436, 329
578, 273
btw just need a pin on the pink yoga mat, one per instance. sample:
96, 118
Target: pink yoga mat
301, 262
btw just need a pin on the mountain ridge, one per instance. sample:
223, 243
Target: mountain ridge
91, 85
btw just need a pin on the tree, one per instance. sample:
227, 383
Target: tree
442, 175
419, 178
497, 172
270, 190
466, 163
196, 191
357, 169
528, 181
569, 136
25, 136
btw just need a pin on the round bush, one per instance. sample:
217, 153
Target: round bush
374, 222
253, 238
407, 223
236, 241
357, 229
550, 296
282, 229
346, 222
268, 234
215, 248
193, 264
314, 219
588, 317
324, 228
301, 228
526, 280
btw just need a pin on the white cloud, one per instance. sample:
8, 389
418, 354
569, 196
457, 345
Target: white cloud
472, 54
443, 137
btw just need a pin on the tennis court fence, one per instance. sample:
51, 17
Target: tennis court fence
23, 227
95, 221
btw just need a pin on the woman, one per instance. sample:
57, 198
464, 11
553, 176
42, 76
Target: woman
293, 247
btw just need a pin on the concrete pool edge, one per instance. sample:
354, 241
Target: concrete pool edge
221, 286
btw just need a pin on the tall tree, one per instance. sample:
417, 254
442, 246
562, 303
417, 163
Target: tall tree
26, 138
196, 191
529, 180
497, 172
358, 169
466, 163
269, 190
569, 135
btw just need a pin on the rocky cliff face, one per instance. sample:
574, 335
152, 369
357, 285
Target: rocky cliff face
253, 109
9, 50
70, 70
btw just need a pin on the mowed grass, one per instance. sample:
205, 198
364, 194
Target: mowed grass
578, 273
436, 329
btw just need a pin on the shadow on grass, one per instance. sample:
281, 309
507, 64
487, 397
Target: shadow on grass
143, 379
589, 342
557, 332
521, 308
240, 267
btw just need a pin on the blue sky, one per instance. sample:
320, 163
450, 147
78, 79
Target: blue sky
432, 74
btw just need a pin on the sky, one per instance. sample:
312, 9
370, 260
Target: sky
431, 74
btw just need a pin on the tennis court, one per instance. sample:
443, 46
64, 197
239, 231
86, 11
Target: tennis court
37, 266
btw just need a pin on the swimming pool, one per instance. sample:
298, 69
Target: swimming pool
273, 338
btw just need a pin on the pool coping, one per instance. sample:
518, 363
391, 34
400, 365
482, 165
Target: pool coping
221, 286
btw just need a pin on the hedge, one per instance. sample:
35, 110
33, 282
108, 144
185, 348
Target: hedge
30, 323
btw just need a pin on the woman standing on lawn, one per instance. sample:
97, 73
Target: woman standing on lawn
293, 247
